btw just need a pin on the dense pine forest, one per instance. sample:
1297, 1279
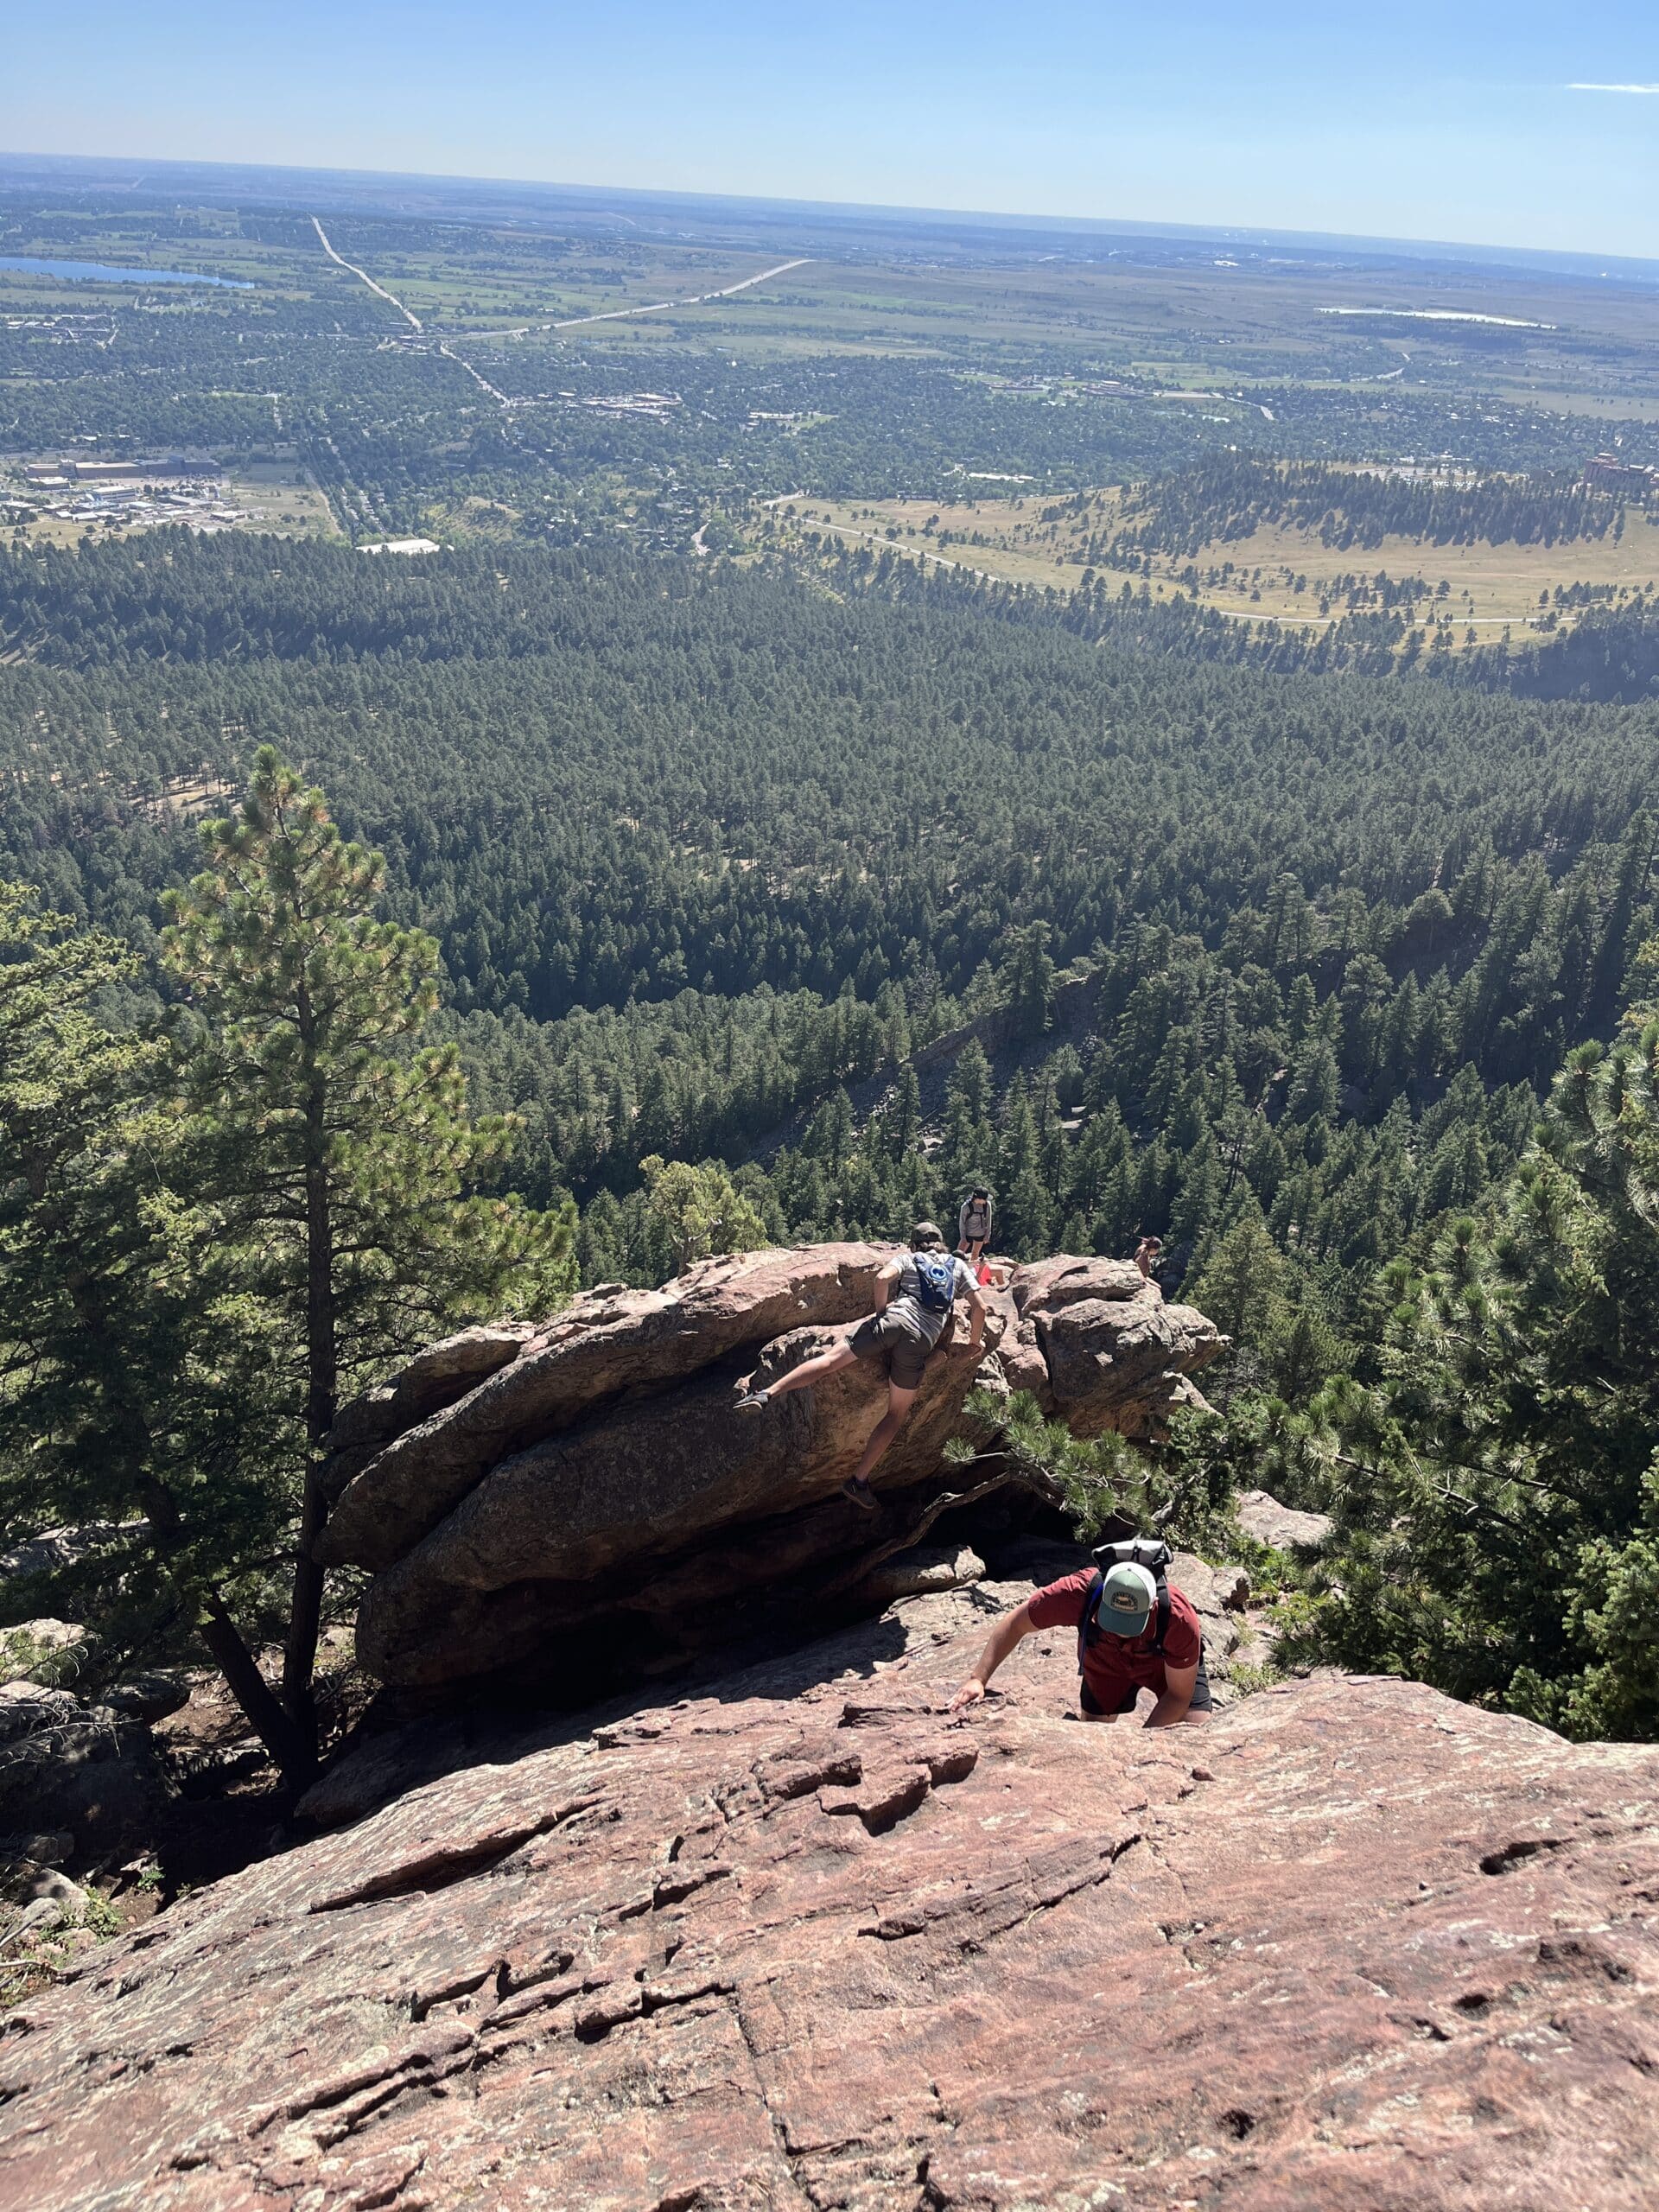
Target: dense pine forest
702, 844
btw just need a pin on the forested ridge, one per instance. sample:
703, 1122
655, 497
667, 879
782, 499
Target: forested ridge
1225, 497
806, 824
600, 780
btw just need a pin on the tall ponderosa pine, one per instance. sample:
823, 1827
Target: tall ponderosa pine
107, 1415
340, 1152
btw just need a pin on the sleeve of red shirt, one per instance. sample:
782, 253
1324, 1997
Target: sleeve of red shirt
1060, 1605
1186, 1639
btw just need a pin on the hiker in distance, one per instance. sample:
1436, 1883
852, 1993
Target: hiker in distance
915, 1296
1135, 1631
972, 1235
1148, 1253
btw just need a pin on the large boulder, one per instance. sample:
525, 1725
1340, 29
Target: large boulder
55, 1550
602, 1474
1282, 1526
803, 1940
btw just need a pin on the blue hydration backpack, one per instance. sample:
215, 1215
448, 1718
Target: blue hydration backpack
936, 1280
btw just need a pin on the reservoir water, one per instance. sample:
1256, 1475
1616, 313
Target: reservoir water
105, 274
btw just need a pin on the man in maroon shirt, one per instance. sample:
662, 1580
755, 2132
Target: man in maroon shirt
1121, 1658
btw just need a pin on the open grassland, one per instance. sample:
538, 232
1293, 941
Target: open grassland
545, 282
1197, 314
1277, 573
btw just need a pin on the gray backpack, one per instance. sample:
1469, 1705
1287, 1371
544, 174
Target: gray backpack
1150, 1551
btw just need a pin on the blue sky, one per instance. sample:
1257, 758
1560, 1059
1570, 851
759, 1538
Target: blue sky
1404, 120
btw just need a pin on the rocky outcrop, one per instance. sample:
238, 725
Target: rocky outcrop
803, 1941
55, 1550
599, 1478
91, 1770
1282, 1526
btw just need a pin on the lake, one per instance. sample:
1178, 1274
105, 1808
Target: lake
106, 275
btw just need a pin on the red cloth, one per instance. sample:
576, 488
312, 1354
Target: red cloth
1114, 1664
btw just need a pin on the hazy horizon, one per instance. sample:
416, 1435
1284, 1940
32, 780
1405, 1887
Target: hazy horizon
105, 169
1506, 128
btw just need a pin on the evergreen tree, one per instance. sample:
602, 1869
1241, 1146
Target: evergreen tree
1497, 1485
1027, 979
1242, 1285
340, 1150
700, 1211
108, 1412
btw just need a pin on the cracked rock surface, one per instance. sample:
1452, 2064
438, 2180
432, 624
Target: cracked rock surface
803, 1941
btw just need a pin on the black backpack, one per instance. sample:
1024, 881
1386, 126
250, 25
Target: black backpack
936, 1280
1150, 1551
974, 1220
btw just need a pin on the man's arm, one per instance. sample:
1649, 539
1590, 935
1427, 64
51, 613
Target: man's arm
1179, 1683
881, 1288
1009, 1631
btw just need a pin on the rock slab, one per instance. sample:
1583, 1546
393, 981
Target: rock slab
805, 1942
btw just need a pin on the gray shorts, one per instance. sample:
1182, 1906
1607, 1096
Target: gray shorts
888, 1338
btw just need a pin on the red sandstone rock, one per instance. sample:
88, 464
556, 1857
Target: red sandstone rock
606, 1342
803, 1941
606, 1473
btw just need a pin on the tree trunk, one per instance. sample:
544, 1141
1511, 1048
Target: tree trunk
229, 1651
305, 1612
292, 1752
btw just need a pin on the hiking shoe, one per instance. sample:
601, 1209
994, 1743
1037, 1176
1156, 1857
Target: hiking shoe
860, 1492
752, 1401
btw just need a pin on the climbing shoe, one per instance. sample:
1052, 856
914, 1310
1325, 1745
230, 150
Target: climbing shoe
860, 1493
752, 1401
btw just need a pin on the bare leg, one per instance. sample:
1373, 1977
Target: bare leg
811, 1371
899, 1402
899, 1405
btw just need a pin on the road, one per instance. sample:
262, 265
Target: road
389, 297
612, 315
916, 552
700, 299
478, 379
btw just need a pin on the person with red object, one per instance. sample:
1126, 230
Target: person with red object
1135, 1631
974, 1224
